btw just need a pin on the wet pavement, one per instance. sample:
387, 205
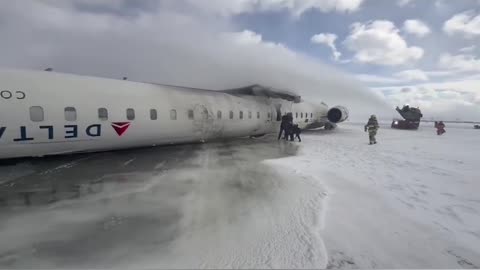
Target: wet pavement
104, 209
45, 180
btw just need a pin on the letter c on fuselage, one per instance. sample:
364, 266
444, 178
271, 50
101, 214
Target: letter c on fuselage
20, 94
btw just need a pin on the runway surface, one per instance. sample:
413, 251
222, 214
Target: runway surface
332, 201
189, 206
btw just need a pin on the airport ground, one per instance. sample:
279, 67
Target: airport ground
332, 201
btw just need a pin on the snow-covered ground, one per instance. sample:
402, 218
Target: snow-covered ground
411, 201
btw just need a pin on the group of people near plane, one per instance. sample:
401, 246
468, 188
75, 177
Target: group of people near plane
289, 130
372, 128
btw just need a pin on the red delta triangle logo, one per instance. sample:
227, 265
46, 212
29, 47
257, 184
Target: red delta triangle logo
120, 127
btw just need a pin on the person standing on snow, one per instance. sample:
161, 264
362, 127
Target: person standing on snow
372, 127
440, 128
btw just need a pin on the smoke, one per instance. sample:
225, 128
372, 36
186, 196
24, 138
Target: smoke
166, 43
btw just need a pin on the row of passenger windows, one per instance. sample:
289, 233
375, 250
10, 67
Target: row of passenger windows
301, 115
37, 114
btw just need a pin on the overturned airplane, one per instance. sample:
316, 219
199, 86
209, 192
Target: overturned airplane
49, 113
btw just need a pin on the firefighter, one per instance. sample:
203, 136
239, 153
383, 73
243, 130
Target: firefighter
372, 127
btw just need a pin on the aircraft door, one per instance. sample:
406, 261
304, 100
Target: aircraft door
278, 112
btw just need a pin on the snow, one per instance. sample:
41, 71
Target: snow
332, 201
411, 201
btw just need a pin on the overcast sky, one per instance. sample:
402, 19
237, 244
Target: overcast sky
367, 54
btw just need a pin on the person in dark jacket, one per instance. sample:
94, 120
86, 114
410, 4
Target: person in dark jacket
286, 126
289, 132
283, 127
296, 131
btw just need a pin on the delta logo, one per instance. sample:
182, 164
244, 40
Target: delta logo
120, 127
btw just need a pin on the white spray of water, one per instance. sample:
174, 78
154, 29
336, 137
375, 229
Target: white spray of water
169, 46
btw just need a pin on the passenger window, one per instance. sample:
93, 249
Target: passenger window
258, 115
269, 115
249, 115
241, 114
36, 114
190, 114
311, 115
130, 114
173, 115
219, 114
70, 114
231, 114
153, 114
296, 115
103, 114
301, 115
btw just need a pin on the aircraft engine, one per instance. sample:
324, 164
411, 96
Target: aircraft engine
337, 114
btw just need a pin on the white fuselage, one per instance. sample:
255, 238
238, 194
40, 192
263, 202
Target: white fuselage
46, 113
